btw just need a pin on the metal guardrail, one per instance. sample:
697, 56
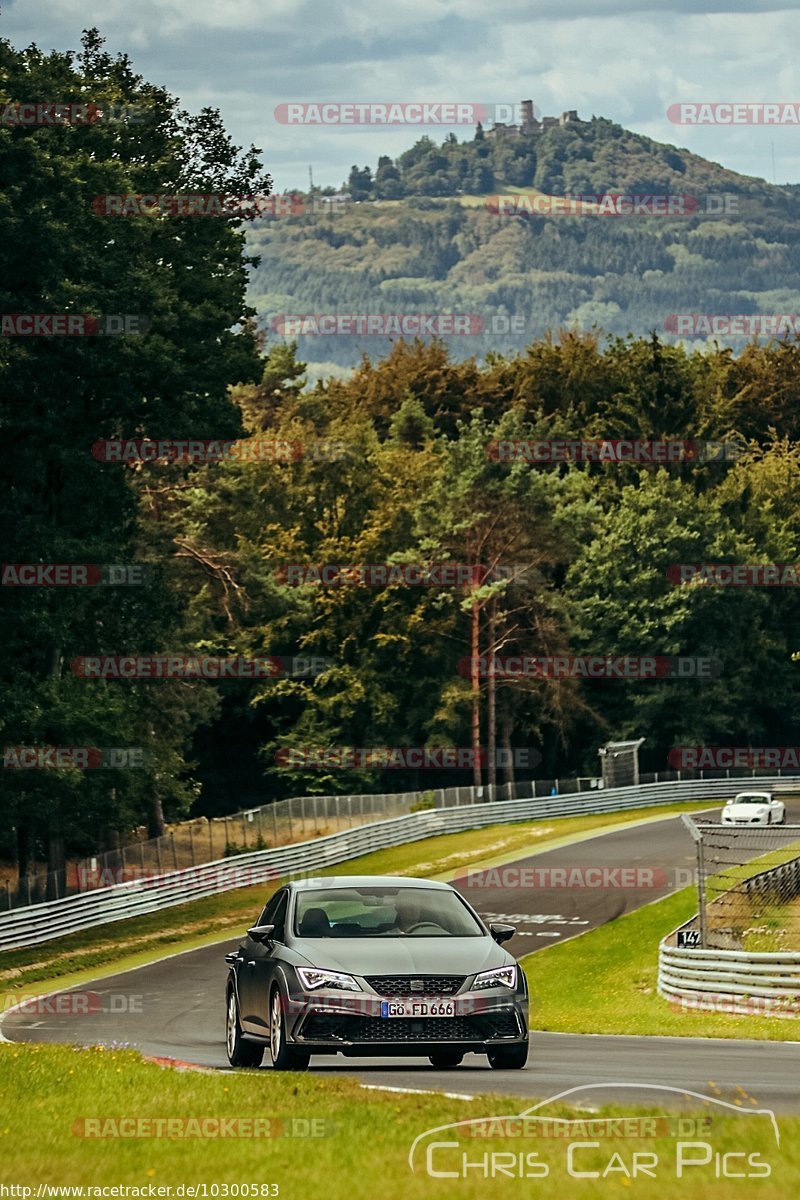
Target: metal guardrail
742, 981
726, 978
785, 880
262, 826
59, 918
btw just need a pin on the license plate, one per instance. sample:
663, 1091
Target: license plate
431, 1006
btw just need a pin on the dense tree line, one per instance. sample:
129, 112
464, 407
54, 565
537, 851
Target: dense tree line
182, 282
583, 157
418, 485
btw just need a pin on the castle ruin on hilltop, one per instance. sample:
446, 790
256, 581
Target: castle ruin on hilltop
529, 123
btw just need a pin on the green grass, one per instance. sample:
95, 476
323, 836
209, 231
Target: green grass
49, 1091
778, 930
723, 881
81, 957
604, 981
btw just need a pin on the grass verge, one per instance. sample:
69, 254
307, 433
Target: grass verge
50, 1092
84, 956
604, 981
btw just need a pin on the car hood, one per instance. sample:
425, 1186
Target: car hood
745, 810
402, 956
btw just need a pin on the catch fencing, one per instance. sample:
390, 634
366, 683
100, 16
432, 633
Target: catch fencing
59, 918
741, 952
288, 822
748, 886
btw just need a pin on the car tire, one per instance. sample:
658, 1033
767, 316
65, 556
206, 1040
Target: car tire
509, 1058
283, 1057
241, 1053
783, 818
442, 1059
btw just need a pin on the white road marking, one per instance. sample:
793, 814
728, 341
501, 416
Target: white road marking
377, 1087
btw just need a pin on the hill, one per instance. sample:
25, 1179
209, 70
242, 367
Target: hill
423, 234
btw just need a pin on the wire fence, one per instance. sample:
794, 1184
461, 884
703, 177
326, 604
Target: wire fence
748, 886
58, 918
192, 843
286, 822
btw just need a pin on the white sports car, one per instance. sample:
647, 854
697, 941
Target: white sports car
754, 808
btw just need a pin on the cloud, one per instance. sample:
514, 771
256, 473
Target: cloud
624, 59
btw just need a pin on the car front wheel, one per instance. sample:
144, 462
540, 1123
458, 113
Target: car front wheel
509, 1058
240, 1052
284, 1057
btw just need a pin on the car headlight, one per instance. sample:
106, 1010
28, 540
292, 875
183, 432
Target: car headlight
761, 812
314, 977
501, 977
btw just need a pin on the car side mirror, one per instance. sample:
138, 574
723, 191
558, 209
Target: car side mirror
501, 933
261, 933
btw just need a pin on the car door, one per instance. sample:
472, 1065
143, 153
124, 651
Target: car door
252, 968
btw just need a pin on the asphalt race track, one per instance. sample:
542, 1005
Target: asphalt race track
175, 1008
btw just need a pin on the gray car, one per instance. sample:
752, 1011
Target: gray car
374, 965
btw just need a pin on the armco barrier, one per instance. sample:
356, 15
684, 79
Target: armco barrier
735, 980
729, 979
57, 918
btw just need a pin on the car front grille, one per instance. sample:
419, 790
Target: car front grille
325, 1027
400, 985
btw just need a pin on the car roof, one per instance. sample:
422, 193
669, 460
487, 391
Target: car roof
340, 881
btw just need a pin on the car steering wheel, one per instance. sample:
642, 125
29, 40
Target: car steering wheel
424, 925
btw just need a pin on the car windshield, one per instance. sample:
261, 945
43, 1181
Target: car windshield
751, 800
383, 912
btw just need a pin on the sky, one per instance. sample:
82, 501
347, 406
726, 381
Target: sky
627, 60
